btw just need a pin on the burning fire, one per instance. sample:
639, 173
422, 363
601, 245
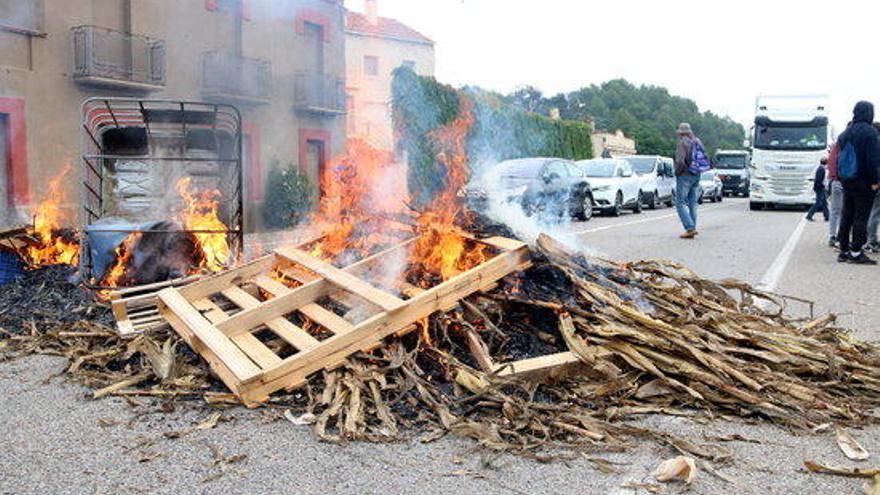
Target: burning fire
358, 208
124, 253
441, 248
52, 246
361, 211
200, 214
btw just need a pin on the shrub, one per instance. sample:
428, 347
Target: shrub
289, 197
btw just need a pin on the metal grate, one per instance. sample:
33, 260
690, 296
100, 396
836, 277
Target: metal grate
117, 56
318, 93
225, 75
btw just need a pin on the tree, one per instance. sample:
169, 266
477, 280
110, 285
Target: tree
649, 114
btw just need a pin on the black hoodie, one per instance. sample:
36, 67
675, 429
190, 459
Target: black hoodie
866, 142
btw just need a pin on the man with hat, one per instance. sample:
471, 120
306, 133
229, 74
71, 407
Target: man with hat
687, 184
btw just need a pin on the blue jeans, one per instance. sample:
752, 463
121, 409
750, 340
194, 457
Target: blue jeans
821, 204
687, 195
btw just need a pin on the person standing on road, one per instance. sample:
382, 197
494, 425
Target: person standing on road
858, 168
835, 191
821, 203
687, 178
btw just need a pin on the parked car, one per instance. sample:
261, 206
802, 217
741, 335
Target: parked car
733, 169
711, 187
615, 186
657, 174
548, 187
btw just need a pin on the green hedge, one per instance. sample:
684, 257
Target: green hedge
290, 197
501, 131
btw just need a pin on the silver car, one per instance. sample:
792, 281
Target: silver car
711, 187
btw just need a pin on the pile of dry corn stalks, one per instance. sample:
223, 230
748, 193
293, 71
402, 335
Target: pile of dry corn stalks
654, 338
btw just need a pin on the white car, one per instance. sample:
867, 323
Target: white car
657, 174
615, 187
711, 187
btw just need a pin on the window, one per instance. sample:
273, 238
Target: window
371, 65
409, 64
24, 15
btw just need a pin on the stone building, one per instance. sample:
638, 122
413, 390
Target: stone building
375, 47
280, 62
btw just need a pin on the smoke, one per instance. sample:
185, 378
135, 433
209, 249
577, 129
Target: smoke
501, 208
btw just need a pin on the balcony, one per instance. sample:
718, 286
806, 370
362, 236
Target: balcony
108, 58
232, 78
319, 94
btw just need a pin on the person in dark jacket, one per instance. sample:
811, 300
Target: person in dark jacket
859, 191
821, 203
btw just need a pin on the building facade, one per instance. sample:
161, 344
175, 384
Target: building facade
375, 47
612, 144
280, 62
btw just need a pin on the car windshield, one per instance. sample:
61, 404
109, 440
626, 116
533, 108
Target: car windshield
730, 161
799, 138
642, 164
520, 168
599, 169
707, 176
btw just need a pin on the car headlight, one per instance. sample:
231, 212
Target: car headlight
602, 188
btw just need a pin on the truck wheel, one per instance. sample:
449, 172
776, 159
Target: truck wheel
655, 201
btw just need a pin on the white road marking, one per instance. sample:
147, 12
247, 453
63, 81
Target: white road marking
770, 280
651, 219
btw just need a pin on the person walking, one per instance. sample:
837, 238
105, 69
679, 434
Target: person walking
690, 162
835, 192
858, 168
821, 203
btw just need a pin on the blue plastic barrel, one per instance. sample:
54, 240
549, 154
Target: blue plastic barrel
11, 267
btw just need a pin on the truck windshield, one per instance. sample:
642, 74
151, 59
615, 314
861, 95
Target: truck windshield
791, 138
730, 161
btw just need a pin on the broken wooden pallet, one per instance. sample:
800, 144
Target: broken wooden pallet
135, 308
547, 367
303, 318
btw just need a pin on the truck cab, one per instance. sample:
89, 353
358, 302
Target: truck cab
790, 136
733, 170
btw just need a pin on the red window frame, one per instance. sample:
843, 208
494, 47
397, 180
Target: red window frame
310, 16
18, 180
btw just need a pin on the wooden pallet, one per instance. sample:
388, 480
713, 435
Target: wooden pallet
135, 308
228, 340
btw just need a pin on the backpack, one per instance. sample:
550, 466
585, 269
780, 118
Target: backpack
847, 163
699, 159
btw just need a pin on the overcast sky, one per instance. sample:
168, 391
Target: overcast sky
720, 53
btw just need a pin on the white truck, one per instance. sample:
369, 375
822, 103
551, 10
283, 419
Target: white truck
790, 136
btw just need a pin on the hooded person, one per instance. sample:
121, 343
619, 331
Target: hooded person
860, 187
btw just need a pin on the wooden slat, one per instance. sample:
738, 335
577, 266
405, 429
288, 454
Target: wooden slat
373, 330
292, 334
342, 279
216, 283
322, 316
238, 363
296, 298
250, 345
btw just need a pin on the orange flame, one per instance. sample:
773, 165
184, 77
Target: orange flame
357, 210
442, 249
52, 248
124, 253
200, 214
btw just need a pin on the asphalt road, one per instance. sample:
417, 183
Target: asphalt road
55, 440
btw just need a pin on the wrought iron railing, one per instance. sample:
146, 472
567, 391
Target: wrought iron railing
107, 56
319, 93
229, 76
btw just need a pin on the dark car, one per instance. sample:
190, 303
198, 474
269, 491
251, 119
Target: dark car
549, 187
